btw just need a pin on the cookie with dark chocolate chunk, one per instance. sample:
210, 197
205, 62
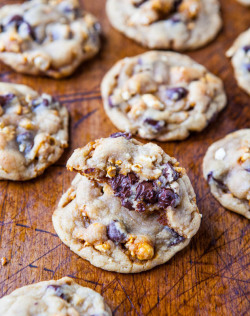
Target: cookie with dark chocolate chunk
33, 132
133, 211
226, 167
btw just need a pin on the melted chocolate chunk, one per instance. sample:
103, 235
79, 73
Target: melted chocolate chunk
25, 141
138, 4
155, 124
122, 185
120, 134
114, 233
219, 183
58, 291
128, 205
166, 197
170, 174
146, 193
176, 94
247, 169
20, 22
246, 48
140, 208
110, 102
4, 99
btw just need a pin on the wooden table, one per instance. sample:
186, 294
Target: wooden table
210, 276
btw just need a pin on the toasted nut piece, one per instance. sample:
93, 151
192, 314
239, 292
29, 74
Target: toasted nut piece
140, 247
104, 247
111, 171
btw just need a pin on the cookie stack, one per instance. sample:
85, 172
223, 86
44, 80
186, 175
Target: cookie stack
131, 206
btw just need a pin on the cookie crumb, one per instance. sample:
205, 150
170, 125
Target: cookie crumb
4, 261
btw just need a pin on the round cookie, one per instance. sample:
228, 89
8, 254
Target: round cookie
130, 208
226, 167
161, 95
33, 132
240, 54
63, 297
47, 37
166, 24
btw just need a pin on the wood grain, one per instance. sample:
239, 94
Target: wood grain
209, 277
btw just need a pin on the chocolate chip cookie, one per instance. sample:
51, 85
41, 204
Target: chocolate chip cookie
47, 37
240, 54
167, 24
130, 208
161, 95
226, 167
33, 131
63, 297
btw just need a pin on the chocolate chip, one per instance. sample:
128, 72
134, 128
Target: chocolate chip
128, 205
170, 174
25, 142
246, 48
218, 182
40, 102
145, 192
57, 290
21, 23
114, 233
89, 170
4, 99
166, 197
120, 134
176, 94
157, 125
122, 184
18, 19
247, 169
110, 103
140, 208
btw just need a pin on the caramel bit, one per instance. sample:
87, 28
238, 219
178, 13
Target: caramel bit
190, 8
4, 261
245, 156
140, 248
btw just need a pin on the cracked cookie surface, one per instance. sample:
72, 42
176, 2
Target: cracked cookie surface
166, 24
240, 58
130, 207
33, 131
226, 167
63, 297
161, 95
47, 37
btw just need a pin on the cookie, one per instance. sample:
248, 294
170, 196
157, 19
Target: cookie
161, 95
63, 297
226, 167
130, 208
33, 132
47, 37
166, 24
240, 54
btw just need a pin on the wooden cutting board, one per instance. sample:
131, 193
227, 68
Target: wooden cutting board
210, 276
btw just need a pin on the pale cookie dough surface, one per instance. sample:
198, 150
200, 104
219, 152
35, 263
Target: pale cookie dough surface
130, 208
240, 54
161, 95
63, 297
226, 167
33, 131
47, 37
166, 24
